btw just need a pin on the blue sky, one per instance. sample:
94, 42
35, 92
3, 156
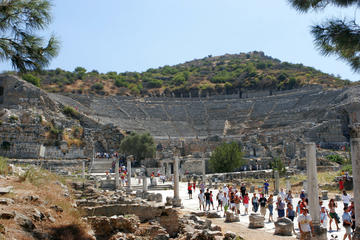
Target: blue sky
134, 35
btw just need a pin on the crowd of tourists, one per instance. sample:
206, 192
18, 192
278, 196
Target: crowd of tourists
240, 201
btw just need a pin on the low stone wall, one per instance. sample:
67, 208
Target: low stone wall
167, 217
52, 152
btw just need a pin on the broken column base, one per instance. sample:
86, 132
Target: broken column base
176, 202
356, 235
320, 233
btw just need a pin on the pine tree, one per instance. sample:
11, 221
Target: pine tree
19, 20
340, 37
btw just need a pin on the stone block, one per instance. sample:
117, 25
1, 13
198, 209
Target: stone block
256, 220
324, 195
231, 217
284, 227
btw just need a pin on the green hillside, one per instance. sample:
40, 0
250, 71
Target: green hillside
214, 75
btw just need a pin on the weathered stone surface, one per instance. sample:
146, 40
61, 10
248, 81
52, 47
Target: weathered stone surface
158, 197
324, 195
338, 198
6, 201
37, 215
231, 217
213, 215
284, 227
24, 221
214, 227
229, 235
7, 215
6, 190
106, 226
256, 220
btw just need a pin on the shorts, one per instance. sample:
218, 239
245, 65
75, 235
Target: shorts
246, 205
232, 205
305, 236
207, 202
190, 191
334, 215
219, 202
348, 229
263, 211
237, 206
281, 213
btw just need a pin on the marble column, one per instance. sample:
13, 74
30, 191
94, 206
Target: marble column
355, 157
288, 184
129, 159
83, 169
144, 183
313, 191
117, 177
168, 170
203, 171
177, 200
277, 182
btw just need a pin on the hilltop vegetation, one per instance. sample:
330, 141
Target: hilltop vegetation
214, 75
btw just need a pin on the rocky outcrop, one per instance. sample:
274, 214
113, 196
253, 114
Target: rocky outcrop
284, 227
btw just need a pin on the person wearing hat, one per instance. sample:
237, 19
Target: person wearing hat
302, 194
324, 214
305, 225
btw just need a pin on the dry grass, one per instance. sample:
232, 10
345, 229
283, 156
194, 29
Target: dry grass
68, 223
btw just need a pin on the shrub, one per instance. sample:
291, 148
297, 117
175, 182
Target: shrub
335, 158
71, 112
227, 157
121, 83
347, 168
31, 79
13, 118
97, 86
3, 166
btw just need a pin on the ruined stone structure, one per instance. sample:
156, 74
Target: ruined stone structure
33, 124
267, 125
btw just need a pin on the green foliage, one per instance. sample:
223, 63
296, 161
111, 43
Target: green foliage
71, 112
19, 20
97, 86
278, 165
4, 170
252, 71
336, 158
347, 168
141, 146
227, 157
13, 118
31, 79
80, 72
335, 36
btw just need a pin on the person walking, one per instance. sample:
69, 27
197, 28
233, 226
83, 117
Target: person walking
290, 212
262, 201
207, 200
270, 206
305, 225
190, 190
219, 198
243, 190
333, 215
346, 217
201, 198
346, 199
324, 214
266, 187
280, 207
211, 200
255, 203
246, 200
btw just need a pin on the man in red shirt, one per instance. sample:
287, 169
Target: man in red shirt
341, 185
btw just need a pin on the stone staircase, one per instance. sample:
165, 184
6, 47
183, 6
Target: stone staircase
101, 165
